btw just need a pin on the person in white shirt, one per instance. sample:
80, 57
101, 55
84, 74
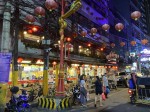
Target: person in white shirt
105, 84
83, 91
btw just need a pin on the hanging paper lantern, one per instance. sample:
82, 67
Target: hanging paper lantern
51, 5
39, 11
133, 43
122, 44
144, 41
74, 34
112, 45
20, 60
93, 31
83, 33
54, 63
105, 27
135, 15
68, 39
30, 19
119, 27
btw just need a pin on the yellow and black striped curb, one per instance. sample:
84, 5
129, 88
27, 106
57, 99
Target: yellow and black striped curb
47, 103
64, 103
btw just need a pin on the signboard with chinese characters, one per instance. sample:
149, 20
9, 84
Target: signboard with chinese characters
5, 60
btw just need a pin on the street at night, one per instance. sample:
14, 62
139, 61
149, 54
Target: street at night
74, 55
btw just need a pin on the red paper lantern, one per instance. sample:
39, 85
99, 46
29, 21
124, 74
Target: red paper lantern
20, 60
83, 33
68, 39
93, 31
89, 45
39, 11
133, 43
122, 44
30, 18
54, 63
144, 41
119, 27
112, 45
105, 27
135, 15
51, 5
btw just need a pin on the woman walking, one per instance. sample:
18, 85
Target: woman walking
98, 91
83, 91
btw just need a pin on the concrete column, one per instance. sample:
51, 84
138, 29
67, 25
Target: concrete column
5, 41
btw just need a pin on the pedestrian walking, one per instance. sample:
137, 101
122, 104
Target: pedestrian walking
105, 85
98, 90
83, 91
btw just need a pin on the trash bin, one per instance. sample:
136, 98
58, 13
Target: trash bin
3, 94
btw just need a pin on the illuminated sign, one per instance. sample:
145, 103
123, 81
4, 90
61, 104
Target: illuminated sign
145, 59
145, 51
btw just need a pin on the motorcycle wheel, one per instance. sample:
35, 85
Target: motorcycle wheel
132, 100
27, 109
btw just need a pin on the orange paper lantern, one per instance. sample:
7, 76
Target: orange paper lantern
122, 44
112, 45
144, 41
133, 43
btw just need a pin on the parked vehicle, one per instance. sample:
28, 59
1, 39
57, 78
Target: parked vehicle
76, 95
142, 92
122, 79
18, 103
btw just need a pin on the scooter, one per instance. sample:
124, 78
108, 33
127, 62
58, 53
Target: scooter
76, 95
18, 103
132, 94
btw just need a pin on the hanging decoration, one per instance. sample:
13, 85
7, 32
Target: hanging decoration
112, 55
119, 26
39, 11
122, 44
133, 43
93, 31
83, 33
51, 5
135, 15
30, 19
105, 27
20, 60
112, 45
144, 41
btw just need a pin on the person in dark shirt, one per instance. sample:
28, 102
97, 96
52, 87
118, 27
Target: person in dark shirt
98, 90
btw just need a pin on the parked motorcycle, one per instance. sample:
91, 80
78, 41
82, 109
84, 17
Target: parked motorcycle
76, 95
18, 103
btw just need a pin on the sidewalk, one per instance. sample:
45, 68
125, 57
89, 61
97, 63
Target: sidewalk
90, 105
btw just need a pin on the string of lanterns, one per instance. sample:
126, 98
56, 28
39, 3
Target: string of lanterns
40, 11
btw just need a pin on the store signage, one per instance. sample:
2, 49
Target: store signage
145, 51
145, 59
5, 60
